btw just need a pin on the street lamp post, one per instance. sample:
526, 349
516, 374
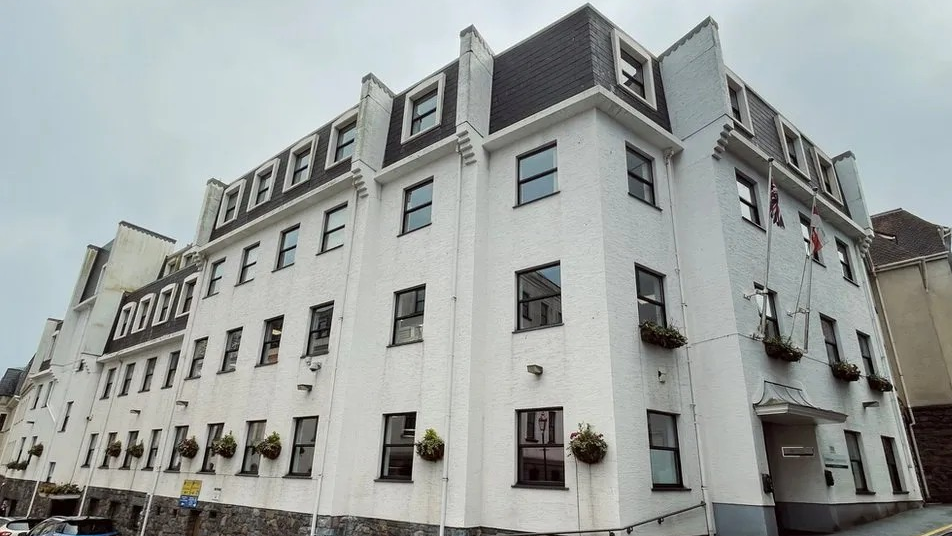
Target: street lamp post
543, 420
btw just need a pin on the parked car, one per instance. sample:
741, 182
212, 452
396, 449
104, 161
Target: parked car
17, 526
73, 526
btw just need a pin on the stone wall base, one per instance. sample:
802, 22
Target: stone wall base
933, 432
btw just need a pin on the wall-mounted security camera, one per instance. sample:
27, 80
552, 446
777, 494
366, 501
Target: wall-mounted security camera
314, 365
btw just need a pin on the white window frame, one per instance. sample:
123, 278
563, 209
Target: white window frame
820, 158
439, 82
310, 141
195, 290
146, 301
170, 290
347, 118
735, 83
240, 187
619, 40
269, 169
122, 331
102, 274
784, 127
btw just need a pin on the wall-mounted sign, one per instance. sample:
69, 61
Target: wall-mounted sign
797, 452
836, 461
191, 489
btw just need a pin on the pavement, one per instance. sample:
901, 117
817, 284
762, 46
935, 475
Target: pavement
928, 521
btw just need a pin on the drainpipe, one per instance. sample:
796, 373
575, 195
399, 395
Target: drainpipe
102, 435
902, 379
36, 485
454, 284
330, 405
705, 492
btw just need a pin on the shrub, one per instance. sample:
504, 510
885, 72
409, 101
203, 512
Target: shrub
663, 336
783, 349
848, 372
879, 383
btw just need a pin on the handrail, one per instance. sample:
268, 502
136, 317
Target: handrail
627, 528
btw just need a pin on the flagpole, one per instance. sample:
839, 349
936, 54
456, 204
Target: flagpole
813, 250
762, 328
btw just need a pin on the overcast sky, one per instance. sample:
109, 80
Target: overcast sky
114, 110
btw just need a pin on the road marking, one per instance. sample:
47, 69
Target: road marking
937, 531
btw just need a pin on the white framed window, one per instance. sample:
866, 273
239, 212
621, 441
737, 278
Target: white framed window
125, 320
164, 311
343, 139
739, 107
634, 69
423, 107
102, 276
828, 180
300, 162
229, 203
187, 296
144, 312
262, 185
792, 145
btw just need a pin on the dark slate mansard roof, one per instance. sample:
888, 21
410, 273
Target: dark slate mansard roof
902, 236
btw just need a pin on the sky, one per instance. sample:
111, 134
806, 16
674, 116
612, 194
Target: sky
115, 110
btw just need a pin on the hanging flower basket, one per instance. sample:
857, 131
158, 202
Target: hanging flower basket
188, 448
59, 491
17, 466
269, 447
114, 449
879, 383
782, 349
431, 447
36, 450
586, 445
848, 372
663, 336
225, 446
136, 450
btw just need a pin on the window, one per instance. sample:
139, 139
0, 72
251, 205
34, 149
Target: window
229, 204
125, 320
634, 69
828, 325
153, 452
889, 450
843, 252
272, 341
538, 287
90, 449
185, 298
249, 259
32, 444
165, 304
262, 183
232, 343
110, 439
737, 95
39, 394
423, 116
651, 306
346, 139
49, 471
408, 315
748, 199
828, 180
149, 373
664, 450
93, 508
417, 206
145, 308
208, 460
49, 392
333, 228
69, 408
640, 175
135, 516
302, 452
792, 145
866, 353
127, 379
217, 272
735, 102
132, 440
805, 228
319, 334
175, 461
107, 387
397, 459
856, 461
423, 107
288, 249
772, 323
299, 162
170, 372
198, 358
252, 459
538, 172
540, 452
3, 420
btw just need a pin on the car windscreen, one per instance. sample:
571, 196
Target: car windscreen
20, 525
89, 527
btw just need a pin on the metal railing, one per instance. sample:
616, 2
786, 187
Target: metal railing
627, 528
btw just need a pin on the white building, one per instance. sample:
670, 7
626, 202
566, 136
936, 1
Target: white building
475, 255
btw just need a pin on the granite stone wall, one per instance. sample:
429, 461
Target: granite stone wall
934, 435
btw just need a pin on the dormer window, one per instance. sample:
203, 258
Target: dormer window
423, 107
634, 68
345, 142
828, 180
261, 185
164, 310
737, 97
343, 139
187, 295
792, 144
229, 203
142, 317
125, 320
299, 162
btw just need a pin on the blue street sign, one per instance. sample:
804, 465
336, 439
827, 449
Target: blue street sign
186, 501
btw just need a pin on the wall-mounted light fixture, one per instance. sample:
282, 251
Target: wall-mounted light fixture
534, 369
871, 404
135, 411
183, 403
31, 423
305, 387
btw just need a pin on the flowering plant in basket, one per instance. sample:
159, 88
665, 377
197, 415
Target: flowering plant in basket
188, 448
879, 383
782, 349
136, 450
49, 488
225, 446
586, 445
114, 449
848, 372
430, 448
36, 450
269, 447
663, 336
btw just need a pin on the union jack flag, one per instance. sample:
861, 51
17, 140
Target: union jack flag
775, 215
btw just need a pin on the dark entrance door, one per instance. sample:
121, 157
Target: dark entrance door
63, 507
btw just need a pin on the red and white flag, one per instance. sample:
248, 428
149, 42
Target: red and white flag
775, 215
817, 235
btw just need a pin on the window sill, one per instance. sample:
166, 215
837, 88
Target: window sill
209, 295
145, 390
865, 492
755, 224
900, 492
540, 486
279, 268
260, 365
546, 196
394, 480
253, 475
851, 281
118, 396
404, 233
743, 128
167, 386
394, 345
84, 466
193, 377
803, 174
245, 282
335, 248
523, 330
226, 371
669, 488
415, 135
628, 90
205, 473
818, 262
297, 477
147, 469
316, 354
335, 164
652, 205
124, 468
172, 471
287, 182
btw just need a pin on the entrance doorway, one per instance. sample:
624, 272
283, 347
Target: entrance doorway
63, 507
194, 525
796, 475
